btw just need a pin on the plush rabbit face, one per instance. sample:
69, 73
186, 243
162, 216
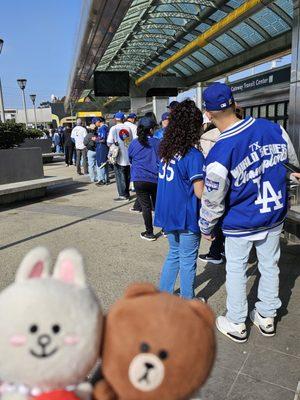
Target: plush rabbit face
50, 326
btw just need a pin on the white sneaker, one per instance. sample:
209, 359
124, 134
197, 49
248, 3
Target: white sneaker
235, 332
265, 325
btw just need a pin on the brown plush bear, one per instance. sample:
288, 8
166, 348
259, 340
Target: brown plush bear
156, 347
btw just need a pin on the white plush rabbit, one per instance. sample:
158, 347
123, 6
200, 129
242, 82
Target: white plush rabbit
50, 328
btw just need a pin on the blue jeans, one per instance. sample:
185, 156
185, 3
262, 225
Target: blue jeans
237, 253
102, 174
58, 148
91, 155
182, 260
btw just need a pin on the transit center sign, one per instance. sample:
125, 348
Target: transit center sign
262, 80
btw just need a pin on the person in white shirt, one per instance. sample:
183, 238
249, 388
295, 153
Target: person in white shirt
131, 122
121, 134
78, 134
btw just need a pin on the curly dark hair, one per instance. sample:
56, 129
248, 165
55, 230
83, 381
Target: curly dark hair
183, 132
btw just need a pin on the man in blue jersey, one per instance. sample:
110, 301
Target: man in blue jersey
159, 134
245, 189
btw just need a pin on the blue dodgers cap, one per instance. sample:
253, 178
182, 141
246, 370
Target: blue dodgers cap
147, 122
95, 119
132, 115
119, 115
165, 116
173, 105
217, 97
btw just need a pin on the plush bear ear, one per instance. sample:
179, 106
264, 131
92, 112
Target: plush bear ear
203, 311
69, 268
35, 264
140, 289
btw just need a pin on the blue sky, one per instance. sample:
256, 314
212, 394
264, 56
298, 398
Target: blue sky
39, 39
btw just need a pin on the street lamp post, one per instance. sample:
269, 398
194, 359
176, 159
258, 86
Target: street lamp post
22, 84
1, 94
33, 97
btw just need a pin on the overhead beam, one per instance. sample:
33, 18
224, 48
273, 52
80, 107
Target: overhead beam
244, 11
260, 52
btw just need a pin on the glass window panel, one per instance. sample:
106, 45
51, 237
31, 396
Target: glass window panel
218, 15
233, 46
280, 122
192, 64
248, 34
280, 109
263, 111
271, 110
255, 112
190, 37
247, 111
189, 8
203, 59
270, 22
215, 52
286, 5
179, 45
202, 27
235, 3
165, 7
182, 69
178, 21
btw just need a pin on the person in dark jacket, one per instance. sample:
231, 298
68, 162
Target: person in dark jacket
144, 158
68, 145
90, 143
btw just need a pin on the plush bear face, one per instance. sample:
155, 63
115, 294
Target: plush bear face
157, 346
50, 328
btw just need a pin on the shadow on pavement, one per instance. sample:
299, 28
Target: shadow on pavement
65, 225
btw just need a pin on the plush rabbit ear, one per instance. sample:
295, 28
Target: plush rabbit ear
69, 268
35, 264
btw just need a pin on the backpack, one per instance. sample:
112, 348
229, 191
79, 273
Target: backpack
113, 153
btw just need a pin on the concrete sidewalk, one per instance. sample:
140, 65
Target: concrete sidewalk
85, 216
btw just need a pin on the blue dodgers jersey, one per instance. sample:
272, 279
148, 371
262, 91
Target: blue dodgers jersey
177, 207
250, 159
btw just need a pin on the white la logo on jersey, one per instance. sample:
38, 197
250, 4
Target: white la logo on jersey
267, 195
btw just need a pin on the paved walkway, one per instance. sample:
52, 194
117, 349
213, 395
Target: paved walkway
107, 234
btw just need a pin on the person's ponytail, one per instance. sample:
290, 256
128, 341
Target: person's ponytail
142, 135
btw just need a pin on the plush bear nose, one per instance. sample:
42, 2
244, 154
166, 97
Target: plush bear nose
149, 365
44, 340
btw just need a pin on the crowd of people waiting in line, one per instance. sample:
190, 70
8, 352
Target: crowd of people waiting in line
216, 175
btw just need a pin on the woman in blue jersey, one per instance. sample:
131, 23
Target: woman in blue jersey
144, 158
180, 187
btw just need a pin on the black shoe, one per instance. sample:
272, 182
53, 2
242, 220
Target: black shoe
210, 259
79, 173
121, 198
100, 183
148, 236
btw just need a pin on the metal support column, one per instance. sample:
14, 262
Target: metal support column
294, 105
159, 106
199, 95
2, 111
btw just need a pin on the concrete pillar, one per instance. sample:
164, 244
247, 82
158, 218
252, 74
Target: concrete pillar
137, 102
294, 105
159, 106
199, 90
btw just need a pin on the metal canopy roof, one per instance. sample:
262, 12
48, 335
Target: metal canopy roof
152, 31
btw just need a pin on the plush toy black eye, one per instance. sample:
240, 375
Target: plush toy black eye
163, 354
145, 348
33, 328
56, 328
